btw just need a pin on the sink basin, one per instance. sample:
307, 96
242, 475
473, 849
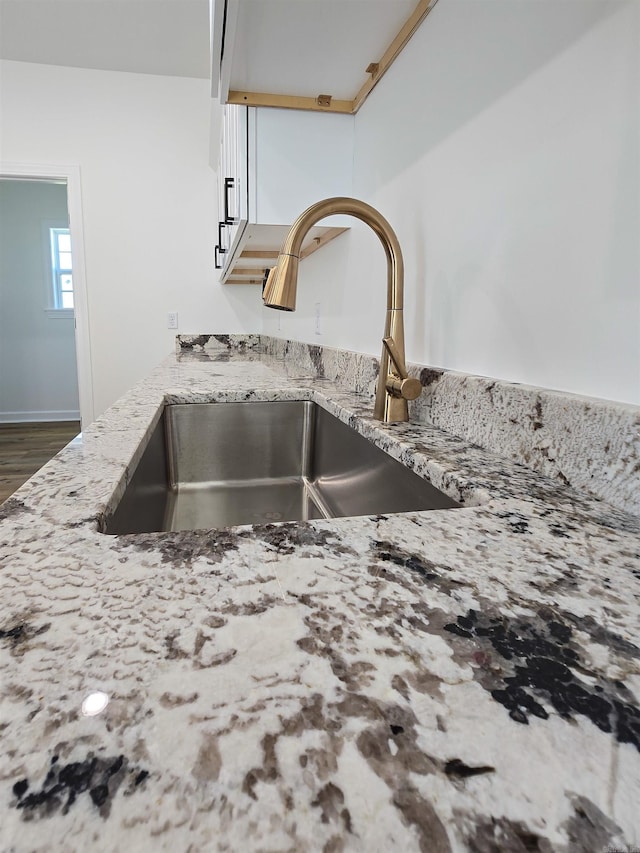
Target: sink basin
210, 465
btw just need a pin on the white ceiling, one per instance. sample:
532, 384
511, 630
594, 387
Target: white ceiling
168, 37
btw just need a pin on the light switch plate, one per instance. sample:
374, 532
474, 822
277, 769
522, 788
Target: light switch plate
172, 320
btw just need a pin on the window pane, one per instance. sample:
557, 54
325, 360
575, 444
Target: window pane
64, 242
64, 259
66, 282
67, 300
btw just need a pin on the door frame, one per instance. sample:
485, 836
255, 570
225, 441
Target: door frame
71, 176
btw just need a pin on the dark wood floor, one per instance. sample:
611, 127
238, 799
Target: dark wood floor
24, 448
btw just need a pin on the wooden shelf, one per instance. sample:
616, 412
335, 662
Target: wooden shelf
259, 246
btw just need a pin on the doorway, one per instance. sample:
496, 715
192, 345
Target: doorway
73, 358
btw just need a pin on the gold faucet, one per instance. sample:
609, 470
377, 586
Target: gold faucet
395, 386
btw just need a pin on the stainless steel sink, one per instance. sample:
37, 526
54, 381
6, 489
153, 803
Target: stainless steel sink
210, 465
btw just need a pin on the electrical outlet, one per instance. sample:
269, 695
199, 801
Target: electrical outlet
318, 317
172, 320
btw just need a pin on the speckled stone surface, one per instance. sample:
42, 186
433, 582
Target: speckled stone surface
583, 442
453, 680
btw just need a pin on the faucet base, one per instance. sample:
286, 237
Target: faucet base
394, 410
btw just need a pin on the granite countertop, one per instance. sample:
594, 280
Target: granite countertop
457, 680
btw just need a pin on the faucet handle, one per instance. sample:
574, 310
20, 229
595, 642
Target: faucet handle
405, 386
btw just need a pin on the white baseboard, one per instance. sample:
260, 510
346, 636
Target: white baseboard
37, 417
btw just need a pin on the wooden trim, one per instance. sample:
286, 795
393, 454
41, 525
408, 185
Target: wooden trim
267, 254
318, 242
248, 270
327, 104
252, 272
289, 102
391, 53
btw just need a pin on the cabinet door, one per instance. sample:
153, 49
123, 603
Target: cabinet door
232, 181
274, 164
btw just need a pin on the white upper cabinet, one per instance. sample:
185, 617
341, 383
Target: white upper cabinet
273, 165
292, 74
325, 55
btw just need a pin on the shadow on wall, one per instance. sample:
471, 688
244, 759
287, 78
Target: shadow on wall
323, 296
466, 56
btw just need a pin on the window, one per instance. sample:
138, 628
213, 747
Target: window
61, 266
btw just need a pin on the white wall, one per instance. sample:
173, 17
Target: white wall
149, 205
503, 147
38, 376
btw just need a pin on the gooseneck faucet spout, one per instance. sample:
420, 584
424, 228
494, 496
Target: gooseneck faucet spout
395, 387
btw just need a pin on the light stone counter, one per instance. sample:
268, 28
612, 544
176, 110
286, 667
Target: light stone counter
452, 680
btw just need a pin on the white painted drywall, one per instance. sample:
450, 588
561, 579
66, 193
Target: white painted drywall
149, 206
503, 146
38, 375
